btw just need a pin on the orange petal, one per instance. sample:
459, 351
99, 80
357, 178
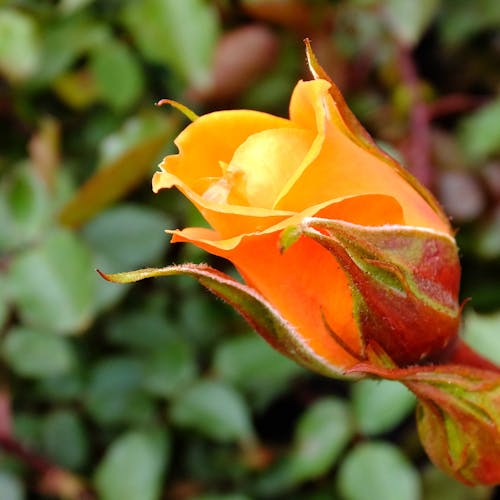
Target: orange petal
344, 168
213, 138
267, 160
305, 283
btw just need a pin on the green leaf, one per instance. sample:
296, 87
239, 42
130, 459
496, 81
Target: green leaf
463, 19
133, 466
37, 354
114, 179
52, 284
145, 329
117, 74
128, 235
481, 332
409, 19
115, 395
24, 207
380, 405
252, 365
19, 45
377, 470
181, 34
215, 410
64, 41
169, 369
322, 433
479, 134
11, 487
64, 439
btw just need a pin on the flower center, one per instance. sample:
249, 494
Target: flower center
260, 168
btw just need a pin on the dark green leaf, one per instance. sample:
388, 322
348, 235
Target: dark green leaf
117, 73
32, 353
114, 393
409, 19
252, 365
215, 410
479, 134
121, 238
66, 39
64, 439
322, 433
24, 208
169, 369
181, 34
53, 284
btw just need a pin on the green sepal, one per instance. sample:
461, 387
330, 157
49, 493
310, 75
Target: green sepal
258, 313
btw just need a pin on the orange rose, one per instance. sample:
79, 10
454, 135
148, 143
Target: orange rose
350, 265
251, 175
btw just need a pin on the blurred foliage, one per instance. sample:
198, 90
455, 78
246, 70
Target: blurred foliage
157, 390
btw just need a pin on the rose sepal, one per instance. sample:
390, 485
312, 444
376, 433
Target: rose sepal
254, 308
458, 414
404, 281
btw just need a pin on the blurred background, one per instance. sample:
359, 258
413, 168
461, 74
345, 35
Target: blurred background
157, 390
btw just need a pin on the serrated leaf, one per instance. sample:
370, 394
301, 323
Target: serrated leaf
37, 354
52, 284
133, 466
377, 470
181, 34
380, 405
215, 410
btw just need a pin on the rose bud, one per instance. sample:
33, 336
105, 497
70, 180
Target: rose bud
349, 264
251, 175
